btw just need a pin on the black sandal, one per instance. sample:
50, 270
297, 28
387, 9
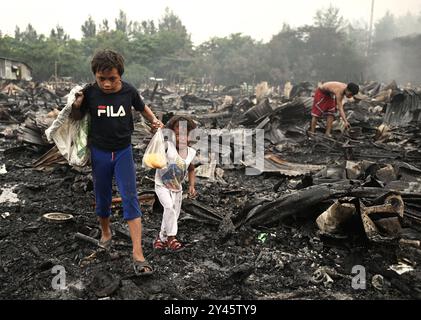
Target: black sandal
106, 245
141, 268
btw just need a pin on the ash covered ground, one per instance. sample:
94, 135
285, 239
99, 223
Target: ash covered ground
228, 256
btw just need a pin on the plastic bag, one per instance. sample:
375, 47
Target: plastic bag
71, 136
81, 140
155, 156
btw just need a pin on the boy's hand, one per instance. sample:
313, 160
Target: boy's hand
156, 124
79, 99
192, 192
347, 125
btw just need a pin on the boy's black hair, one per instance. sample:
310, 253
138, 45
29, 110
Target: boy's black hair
176, 119
353, 88
105, 60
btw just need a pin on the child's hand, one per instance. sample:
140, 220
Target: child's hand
192, 192
79, 99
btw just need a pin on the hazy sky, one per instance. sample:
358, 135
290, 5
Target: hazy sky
203, 18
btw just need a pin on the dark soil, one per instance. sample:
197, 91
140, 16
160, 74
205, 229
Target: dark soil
265, 263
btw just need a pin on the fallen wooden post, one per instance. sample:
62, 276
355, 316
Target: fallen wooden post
86, 238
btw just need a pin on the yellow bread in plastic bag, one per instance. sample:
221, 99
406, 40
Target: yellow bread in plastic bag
155, 160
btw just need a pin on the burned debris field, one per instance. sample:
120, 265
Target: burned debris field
334, 218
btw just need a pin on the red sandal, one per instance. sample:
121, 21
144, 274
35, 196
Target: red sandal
175, 246
160, 245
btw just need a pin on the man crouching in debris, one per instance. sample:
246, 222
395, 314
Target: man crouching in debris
168, 182
327, 98
109, 102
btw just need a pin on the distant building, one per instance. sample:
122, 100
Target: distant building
11, 69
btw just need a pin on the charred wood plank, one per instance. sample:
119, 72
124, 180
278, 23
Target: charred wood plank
195, 208
294, 203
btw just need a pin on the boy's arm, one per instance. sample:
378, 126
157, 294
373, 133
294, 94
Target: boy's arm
192, 181
149, 115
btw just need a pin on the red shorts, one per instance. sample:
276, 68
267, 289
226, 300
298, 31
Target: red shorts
323, 104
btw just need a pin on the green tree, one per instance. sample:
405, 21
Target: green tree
172, 47
121, 23
149, 27
230, 60
105, 27
172, 34
89, 28
287, 56
18, 34
30, 34
329, 49
137, 73
59, 35
329, 18
332, 52
146, 27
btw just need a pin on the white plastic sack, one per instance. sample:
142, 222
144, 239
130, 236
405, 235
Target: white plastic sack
71, 136
155, 156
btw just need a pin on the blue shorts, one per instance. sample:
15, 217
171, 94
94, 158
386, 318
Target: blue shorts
106, 165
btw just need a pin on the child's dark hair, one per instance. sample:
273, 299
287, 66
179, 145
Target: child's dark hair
105, 60
191, 125
353, 88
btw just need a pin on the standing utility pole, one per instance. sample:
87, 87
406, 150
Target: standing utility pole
370, 33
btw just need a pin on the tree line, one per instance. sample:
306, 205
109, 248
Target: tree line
328, 49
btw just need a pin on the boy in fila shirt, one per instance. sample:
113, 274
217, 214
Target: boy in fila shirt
109, 102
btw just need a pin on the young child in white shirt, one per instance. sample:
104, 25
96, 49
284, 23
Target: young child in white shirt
168, 182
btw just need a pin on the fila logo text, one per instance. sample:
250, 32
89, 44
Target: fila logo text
108, 111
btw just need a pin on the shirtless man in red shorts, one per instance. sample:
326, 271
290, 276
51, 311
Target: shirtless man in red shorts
327, 99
